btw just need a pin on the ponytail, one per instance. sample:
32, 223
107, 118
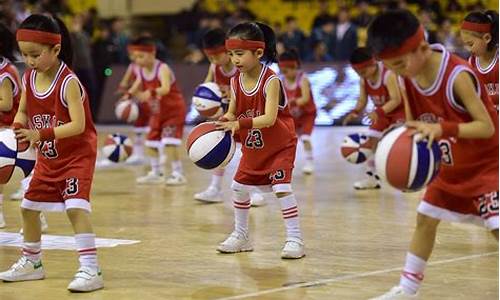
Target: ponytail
270, 53
256, 31
66, 53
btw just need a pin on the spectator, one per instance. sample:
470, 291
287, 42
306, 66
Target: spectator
446, 36
319, 52
324, 34
323, 15
103, 52
293, 37
346, 37
120, 40
425, 17
453, 6
364, 17
22, 11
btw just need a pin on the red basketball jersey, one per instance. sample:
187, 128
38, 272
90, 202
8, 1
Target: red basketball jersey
469, 167
266, 149
294, 91
378, 92
488, 76
9, 71
172, 105
65, 158
222, 78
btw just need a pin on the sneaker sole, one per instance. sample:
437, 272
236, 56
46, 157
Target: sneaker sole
368, 188
28, 278
208, 200
86, 291
292, 257
231, 252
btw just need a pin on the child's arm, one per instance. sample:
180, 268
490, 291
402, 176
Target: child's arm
394, 98
305, 87
404, 97
360, 105
6, 95
210, 74
126, 77
164, 88
21, 116
230, 114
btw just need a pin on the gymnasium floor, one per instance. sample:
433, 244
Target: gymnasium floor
356, 241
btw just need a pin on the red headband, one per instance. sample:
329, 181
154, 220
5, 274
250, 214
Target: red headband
288, 64
142, 48
407, 46
38, 36
477, 27
215, 50
233, 44
364, 64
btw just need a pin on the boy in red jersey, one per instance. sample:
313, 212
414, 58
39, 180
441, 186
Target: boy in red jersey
446, 102
380, 85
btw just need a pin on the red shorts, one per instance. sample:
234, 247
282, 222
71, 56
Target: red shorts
59, 195
304, 123
377, 128
481, 210
144, 115
164, 132
277, 181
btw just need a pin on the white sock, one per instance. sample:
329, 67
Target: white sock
370, 168
309, 154
32, 251
241, 203
217, 177
138, 148
1, 201
290, 213
155, 165
85, 244
413, 273
177, 166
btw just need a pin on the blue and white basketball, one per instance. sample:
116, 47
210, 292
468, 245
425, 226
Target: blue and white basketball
404, 162
355, 148
15, 157
207, 100
117, 147
209, 147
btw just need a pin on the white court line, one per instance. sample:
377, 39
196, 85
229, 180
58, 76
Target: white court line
352, 276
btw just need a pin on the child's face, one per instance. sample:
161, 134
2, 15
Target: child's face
367, 72
475, 43
245, 60
143, 58
219, 59
289, 72
131, 56
39, 56
410, 64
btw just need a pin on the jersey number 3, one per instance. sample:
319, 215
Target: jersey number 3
446, 155
254, 139
48, 149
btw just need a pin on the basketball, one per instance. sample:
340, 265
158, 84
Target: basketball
355, 149
15, 157
117, 147
127, 111
209, 147
207, 100
405, 163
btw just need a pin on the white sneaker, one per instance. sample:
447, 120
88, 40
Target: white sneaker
371, 182
308, 168
235, 243
86, 280
135, 160
24, 270
43, 222
17, 195
2, 219
257, 199
151, 178
294, 248
211, 194
176, 178
396, 293
105, 164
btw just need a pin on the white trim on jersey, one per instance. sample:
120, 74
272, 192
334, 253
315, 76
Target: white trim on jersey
255, 89
283, 92
377, 84
450, 96
12, 79
230, 74
62, 91
439, 79
490, 67
57, 206
52, 84
154, 75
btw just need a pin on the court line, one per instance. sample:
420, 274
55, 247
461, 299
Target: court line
352, 276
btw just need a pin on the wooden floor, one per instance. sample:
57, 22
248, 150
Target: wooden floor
356, 241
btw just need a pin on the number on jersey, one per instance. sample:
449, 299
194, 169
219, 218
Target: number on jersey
254, 139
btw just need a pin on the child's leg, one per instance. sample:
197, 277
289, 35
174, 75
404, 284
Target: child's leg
309, 165
372, 181
177, 177
2, 219
294, 245
32, 234
152, 154
214, 191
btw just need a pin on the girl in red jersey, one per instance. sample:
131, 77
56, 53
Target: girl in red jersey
221, 70
446, 102
479, 33
258, 113
380, 85
55, 107
300, 99
157, 85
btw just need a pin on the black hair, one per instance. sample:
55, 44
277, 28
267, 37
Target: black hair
256, 31
360, 55
487, 17
53, 25
290, 19
144, 41
390, 29
290, 54
213, 38
7, 43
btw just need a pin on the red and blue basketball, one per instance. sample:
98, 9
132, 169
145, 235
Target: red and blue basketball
15, 157
355, 148
127, 111
209, 147
117, 147
404, 162
207, 100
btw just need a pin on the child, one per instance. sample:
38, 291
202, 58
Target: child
447, 103
55, 106
300, 99
381, 86
221, 70
158, 86
258, 112
479, 33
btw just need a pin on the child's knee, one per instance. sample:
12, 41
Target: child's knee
426, 223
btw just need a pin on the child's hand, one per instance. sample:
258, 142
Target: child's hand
373, 117
426, 130
232, 126
350, 116
224, 92
144, 96
27, 135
